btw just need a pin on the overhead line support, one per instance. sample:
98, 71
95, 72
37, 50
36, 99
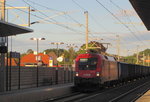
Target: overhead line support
87, 31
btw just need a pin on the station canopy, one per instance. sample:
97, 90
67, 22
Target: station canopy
9, 29
142, 7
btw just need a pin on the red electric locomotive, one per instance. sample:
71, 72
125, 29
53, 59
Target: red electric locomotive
95, 69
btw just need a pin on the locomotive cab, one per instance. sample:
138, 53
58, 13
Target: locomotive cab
87, 69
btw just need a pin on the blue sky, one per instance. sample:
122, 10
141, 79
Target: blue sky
101, 24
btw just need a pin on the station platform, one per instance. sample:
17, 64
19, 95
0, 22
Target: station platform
36, 94
145, 97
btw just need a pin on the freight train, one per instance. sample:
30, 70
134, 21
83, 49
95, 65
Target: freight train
93, 69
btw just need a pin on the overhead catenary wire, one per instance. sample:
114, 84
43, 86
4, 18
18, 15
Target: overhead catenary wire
121, 9
126, 16
61, 25
83, 10
71, 29
46, 15
119, 20
39, 11
90, 16
53, 10
53, 19
48, 8
40, 5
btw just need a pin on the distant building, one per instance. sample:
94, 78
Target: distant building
148, 61
53, 57
42, 59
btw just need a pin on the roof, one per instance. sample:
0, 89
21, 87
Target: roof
8, 29
142, 7
31, 58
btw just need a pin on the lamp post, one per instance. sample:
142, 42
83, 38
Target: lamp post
37, 58
57, 43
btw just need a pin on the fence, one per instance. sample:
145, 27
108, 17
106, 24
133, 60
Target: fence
27, 77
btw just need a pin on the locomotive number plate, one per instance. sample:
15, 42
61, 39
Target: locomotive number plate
86, 74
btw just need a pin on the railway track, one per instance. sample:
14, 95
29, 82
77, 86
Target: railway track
61, 97
132, 95
73, 96
128, 92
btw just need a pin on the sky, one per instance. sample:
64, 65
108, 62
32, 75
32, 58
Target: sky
65, 21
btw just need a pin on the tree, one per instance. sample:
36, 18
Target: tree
72, 54
143, 55
129, 59
23, 54
60, 51
29, 51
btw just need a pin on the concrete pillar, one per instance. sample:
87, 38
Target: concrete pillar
2, 55
2, 74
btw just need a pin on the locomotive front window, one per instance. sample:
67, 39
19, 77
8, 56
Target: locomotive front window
83, 61
87, 63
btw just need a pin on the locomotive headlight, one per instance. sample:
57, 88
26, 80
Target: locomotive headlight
77, 74
97, 74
